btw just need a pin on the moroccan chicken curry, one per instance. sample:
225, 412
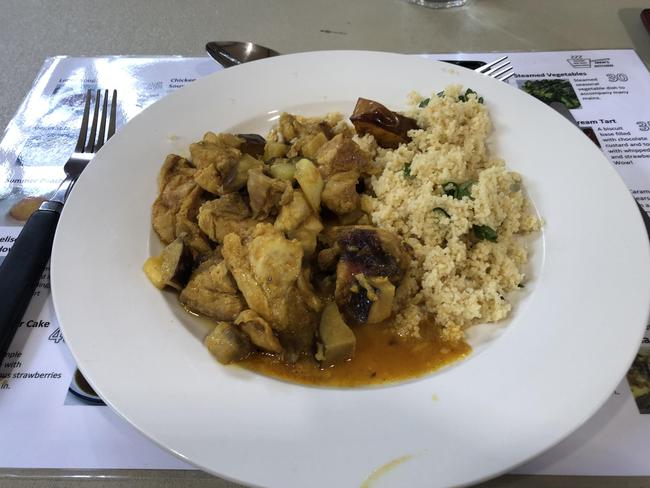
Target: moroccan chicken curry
272, 239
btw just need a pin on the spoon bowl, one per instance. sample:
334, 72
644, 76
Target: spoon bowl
232, 53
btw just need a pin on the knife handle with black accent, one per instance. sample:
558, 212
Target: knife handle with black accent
21, 270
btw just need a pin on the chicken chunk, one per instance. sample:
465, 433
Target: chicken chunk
215, 150
237, 178
186, 226
291, 127
174, 165
215, 157
212, 292
258, 331
266, 194
208, 178
168, 203
307, 292
293, 213
225, 215
343, 154
266, 267
307, 234
340, 192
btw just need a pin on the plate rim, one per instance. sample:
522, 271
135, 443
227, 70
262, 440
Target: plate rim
56, 289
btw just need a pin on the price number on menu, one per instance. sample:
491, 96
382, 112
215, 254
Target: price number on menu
56, 336
643, 125
614, 77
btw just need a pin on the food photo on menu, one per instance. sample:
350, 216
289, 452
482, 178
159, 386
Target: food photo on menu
241, 285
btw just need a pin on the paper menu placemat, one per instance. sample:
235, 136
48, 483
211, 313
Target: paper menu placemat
605, 90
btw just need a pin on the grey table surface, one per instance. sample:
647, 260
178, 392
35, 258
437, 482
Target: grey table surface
31, 30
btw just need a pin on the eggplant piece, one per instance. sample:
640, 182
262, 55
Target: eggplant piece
389, 128
258, 331
337, 341
363, 299
353, 300
372, 262
384, 294
228, 344
367, 252
176, 266
253, 145
237, 177
377, 252
172, 268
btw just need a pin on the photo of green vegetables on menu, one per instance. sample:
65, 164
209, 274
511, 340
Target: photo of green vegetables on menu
547, 91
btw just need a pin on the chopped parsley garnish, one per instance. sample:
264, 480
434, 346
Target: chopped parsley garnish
442, 211
450, 189
426, 101
407, 171
485, 233
458, 191
465, 97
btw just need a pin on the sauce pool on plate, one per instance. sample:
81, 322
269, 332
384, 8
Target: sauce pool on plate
381, 357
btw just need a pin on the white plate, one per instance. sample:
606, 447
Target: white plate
568, 344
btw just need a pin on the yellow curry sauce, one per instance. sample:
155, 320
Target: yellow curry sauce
380, 357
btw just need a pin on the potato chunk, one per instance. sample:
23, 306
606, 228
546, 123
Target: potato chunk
337, 341
310, 181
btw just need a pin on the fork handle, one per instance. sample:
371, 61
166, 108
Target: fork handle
21, 270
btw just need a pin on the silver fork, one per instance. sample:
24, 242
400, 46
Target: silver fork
85, 151
499, 69
22, 267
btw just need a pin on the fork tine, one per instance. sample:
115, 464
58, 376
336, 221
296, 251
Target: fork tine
487, 67
90, 146
81, 141
111, 123
503, 71
506, 77
496, 68
102, 125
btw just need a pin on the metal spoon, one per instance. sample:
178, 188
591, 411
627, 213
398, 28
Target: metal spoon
232, 53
